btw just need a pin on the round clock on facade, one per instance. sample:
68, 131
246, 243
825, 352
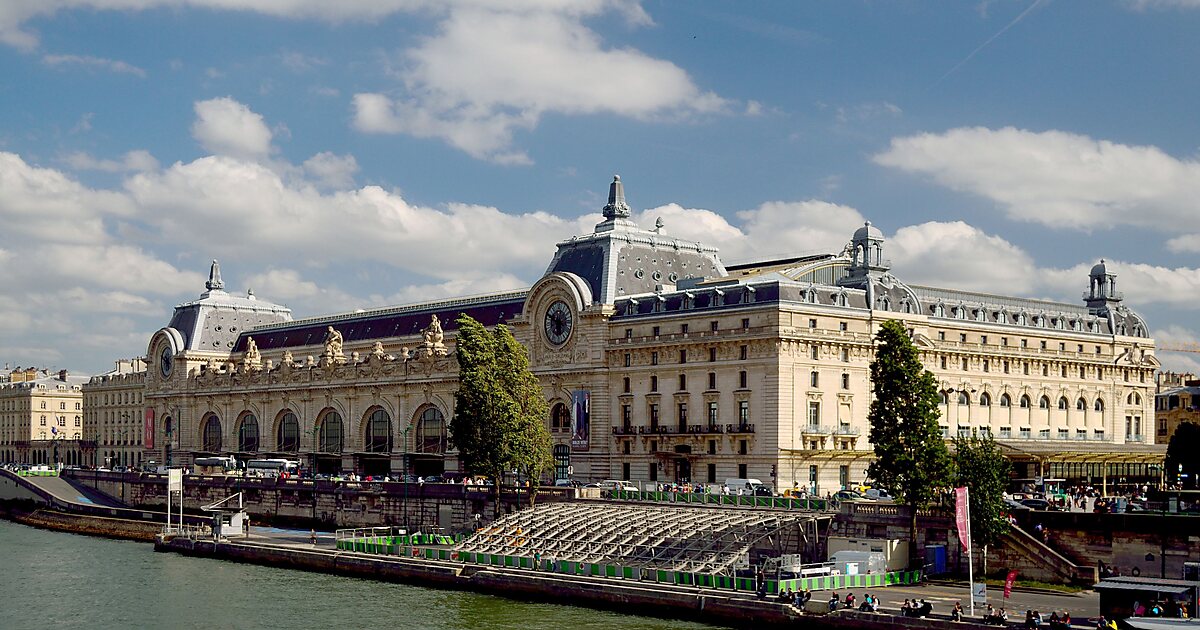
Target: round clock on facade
558, 322
165, 361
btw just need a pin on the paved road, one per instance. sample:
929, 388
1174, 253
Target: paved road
73, 492
1082, 606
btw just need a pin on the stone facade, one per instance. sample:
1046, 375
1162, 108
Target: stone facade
41, 418
661, 364
113, 416
1175, 403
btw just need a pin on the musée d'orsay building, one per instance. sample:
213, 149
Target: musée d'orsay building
660, 363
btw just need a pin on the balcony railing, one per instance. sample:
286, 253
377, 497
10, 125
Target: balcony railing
1134, 438
847, 430
816, 429
739, 428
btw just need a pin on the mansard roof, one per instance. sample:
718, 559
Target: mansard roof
384, 323
212, 322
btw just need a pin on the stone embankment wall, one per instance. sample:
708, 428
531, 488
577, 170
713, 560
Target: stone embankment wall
628, 596
1156, 545
324, 503
124, 529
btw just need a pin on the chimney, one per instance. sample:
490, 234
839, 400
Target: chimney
62, 375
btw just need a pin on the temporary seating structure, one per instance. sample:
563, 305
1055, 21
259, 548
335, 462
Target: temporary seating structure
692, 539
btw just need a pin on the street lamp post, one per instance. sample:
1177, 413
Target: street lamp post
405, 476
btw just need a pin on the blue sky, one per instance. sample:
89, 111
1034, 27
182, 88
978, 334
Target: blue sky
363, 153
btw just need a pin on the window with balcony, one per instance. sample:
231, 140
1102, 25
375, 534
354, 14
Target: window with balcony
743, 412
653, 417
814, 413
713, 417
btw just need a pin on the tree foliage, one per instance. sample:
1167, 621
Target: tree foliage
499, 421
980, 466
1181, 450
911, 458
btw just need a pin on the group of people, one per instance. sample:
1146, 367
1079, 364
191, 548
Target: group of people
913, 608
993, 616
1168, 608
795, 598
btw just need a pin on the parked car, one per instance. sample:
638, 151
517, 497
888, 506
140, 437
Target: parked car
1038, 504
849, 495
878, 494
1015, 506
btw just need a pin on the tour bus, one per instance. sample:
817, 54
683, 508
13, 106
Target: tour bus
272, 467
215, 465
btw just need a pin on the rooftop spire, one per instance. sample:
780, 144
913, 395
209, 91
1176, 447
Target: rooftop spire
616, 207
214, 277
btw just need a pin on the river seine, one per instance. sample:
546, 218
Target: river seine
56, 580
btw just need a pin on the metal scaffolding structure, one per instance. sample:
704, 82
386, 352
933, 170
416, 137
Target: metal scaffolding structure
693, 539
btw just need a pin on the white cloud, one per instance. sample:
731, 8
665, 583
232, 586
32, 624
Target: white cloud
1179, 337
492, 71
137, 160
958, 255
227, 127
1187, 243
334, 171
1055, 178
246, 210
94, 63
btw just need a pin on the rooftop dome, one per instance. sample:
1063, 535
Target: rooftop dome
1100, 269
868, 231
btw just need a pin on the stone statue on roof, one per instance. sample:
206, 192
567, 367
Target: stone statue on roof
333, 344
432, 344
252, 354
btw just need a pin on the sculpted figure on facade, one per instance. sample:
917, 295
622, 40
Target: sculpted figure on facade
333, 347
252, 359
432, 345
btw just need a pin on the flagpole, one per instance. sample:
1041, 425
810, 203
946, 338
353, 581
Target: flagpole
970, 562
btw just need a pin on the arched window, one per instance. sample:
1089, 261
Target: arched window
1044, 402
431, 432
939, 310
945, 398
330, 438
1062, 403
287, 438
985, 400
1081, 405
964, 398
560, 418
1005, 400
379, 432
1133, 399
248, 434
1099, 406
212, 433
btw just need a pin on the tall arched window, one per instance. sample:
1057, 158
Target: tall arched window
330, 436
1081, 405
1005, 400
431, 432
287, 439
248, 434
1099, 406
1024, 401
985, 400
212, 433
560, 418
1044, 402
1062, 403
964, 398
379, 432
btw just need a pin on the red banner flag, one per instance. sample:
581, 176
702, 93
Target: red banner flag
1008, 583
961, 518
148, 428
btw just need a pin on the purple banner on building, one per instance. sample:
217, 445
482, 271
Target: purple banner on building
581, 419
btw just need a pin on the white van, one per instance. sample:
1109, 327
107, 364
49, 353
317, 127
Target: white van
735, 483
614, 484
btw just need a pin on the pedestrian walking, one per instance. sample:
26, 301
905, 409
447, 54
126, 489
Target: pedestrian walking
312, 537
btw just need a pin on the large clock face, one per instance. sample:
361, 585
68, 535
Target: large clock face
558, 322
164, 362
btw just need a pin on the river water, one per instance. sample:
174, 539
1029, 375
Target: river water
61, 581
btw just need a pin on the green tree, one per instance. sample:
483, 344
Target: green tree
911, 458
980, 466
531, 444
1184, 443
499, 412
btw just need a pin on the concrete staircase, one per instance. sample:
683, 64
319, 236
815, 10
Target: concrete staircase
1034, 560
